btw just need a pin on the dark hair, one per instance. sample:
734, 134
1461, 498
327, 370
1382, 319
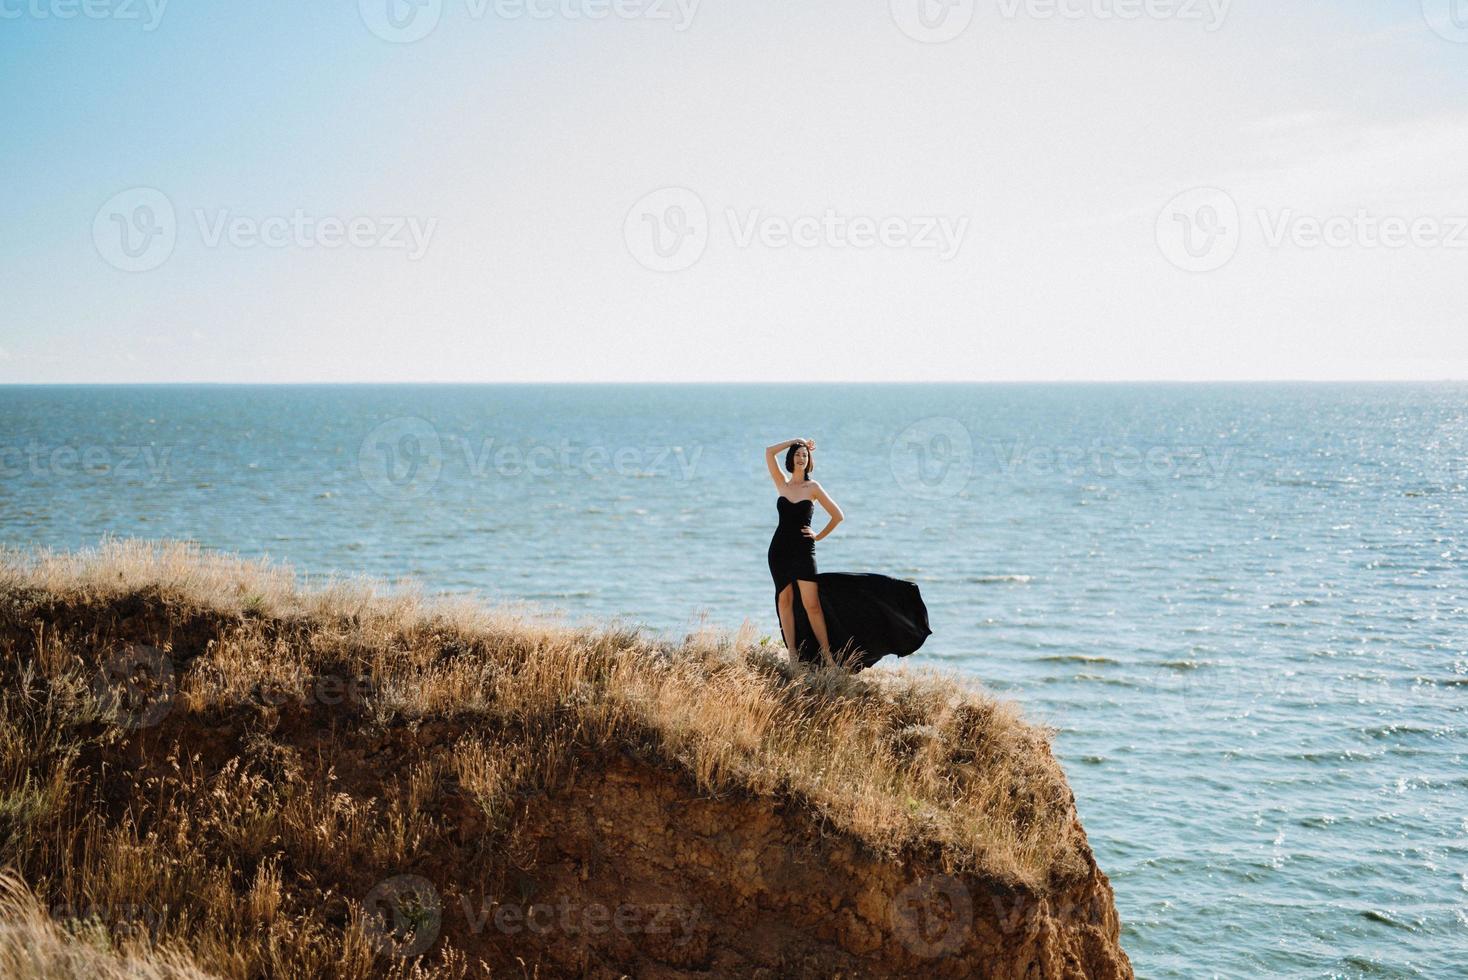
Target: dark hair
810, 460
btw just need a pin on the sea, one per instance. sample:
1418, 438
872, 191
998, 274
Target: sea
1243, 607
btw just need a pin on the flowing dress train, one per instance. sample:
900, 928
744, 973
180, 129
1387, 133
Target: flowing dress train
868, 615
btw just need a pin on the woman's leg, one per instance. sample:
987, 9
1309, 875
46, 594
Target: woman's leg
810, 597
785, 603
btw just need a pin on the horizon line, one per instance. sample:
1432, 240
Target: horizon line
804, 384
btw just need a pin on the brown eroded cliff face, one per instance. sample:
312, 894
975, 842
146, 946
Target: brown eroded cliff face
225, 775
749, 887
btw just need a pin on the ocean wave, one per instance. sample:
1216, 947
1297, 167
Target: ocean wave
1375, 915
1076, 658
1336, 755
1105, 679
1395, 731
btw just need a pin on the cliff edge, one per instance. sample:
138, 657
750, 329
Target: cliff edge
209, 769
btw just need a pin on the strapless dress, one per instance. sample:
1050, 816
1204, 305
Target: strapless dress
868, 616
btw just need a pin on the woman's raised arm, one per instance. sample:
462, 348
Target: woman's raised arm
773, 465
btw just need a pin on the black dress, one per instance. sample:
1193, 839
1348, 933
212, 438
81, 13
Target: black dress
867, 615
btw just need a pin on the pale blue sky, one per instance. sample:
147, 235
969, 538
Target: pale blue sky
497, 172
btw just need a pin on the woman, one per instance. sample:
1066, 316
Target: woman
853, 619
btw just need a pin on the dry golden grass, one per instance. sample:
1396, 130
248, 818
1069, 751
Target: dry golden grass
236, 862
34, 947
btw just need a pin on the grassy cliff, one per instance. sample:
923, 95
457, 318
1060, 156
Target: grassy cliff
208, 770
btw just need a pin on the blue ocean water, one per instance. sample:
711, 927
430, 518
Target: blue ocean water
1245, 607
